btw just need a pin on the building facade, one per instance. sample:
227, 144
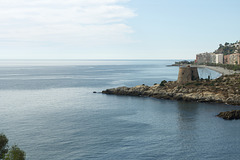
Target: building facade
225, 54
226, 59
234, 58
219, 59
204, 58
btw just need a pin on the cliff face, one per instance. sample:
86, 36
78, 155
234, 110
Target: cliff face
225, 89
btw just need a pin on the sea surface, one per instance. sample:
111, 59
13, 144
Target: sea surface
49, 110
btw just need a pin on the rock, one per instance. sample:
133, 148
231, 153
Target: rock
222, 93
230, 115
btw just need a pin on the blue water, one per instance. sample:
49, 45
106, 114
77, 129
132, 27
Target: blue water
49, 110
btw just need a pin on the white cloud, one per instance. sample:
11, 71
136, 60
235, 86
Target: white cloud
65, 21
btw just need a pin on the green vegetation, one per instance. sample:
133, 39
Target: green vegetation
184, 62
189, 83
3, 145
211, 84
201, 82
226, 49
14, 153
226, 66
163, 83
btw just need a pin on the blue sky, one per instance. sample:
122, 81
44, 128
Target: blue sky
115, 29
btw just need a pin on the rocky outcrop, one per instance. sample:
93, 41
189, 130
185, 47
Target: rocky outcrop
225, 89
230, 115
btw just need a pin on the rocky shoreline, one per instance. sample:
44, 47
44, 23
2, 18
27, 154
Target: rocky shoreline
230, 115
225, 89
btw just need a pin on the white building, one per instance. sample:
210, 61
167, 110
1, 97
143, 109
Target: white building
219, 58
204, 58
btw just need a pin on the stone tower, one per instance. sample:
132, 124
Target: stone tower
187, 74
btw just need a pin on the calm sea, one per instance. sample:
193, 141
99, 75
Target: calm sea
49, 110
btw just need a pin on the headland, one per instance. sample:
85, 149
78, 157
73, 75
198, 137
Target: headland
225, 89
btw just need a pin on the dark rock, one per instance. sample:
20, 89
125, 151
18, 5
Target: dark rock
230, 115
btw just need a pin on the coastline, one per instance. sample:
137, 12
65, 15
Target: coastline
221, 70
224, 89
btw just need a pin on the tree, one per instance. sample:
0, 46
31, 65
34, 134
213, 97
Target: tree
226, 44
14, 153
3, 145
163, 83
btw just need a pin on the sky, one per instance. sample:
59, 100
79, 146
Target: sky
115, 29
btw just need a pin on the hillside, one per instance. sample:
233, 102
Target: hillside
228, 48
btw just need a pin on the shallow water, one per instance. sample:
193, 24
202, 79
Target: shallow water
49, 110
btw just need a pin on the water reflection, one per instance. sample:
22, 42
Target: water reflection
187, 114
205, 72
187, 126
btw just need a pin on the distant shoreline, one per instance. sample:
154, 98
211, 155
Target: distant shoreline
218, 69
221, 70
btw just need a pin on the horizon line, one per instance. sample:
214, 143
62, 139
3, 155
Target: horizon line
41, 59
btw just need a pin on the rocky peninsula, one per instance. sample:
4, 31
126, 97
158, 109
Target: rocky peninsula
225, 89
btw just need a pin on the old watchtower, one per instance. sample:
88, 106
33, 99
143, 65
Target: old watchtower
187, 74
